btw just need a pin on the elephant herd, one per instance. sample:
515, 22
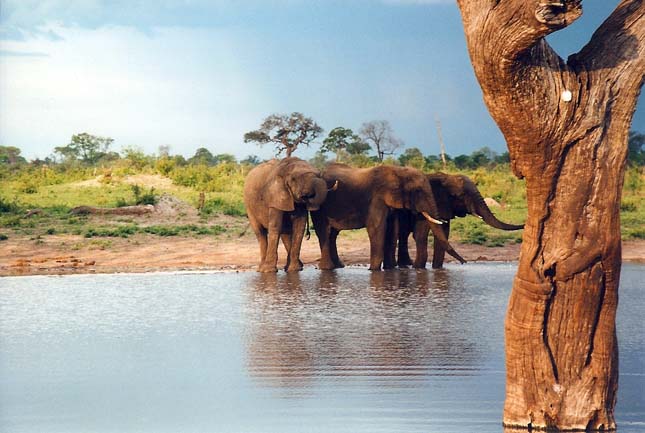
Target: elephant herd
389, 201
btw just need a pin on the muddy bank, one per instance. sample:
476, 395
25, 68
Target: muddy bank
59, 255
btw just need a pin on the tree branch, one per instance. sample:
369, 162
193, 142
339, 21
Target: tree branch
518, 24
618, 45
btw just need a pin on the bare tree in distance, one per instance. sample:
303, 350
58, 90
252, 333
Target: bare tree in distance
566, 124
379, 133
287, 132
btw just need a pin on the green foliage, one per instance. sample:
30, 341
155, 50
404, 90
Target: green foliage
636, 153
474, 233
413, 157
226, 207
10, 155
136, 158
7, 206
3, 237
202, 156
142, 198
158, 230
85, 147
343, 142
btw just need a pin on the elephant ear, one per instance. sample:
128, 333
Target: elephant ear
444, 196
278, 196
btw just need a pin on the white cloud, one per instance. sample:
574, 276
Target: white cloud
180, 87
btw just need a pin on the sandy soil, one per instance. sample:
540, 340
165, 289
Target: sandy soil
148, 253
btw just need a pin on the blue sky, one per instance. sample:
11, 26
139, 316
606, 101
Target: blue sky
198, 73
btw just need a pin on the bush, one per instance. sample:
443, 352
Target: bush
7, 206
628, 206
474, 233
117, 232
219, 205
141, 197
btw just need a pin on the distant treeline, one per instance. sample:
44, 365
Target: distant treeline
89, 151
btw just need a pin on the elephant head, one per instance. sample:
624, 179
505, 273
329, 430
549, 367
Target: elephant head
414, 193
296, 182
456, 196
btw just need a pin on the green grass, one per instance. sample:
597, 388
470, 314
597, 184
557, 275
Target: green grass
55, 192
159, 230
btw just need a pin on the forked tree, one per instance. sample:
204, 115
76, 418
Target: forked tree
566, 125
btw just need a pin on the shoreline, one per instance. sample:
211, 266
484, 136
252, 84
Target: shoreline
140, 254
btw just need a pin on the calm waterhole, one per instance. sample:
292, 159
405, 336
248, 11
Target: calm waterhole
335, 351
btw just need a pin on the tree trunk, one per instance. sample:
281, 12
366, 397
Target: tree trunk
566, 126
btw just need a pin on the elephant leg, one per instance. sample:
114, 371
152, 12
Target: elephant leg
333, 249
404, 259
376, 222
421, 231
286, 242
323, 232
439, 252
391, 235
298, 223
275, 227
261, 235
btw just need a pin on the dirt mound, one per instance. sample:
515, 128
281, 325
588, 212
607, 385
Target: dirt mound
169, 205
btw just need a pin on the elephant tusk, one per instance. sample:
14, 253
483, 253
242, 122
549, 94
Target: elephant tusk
335, 187
429, 218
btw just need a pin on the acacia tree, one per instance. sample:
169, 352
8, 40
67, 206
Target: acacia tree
286, 132
380, 134
566, 125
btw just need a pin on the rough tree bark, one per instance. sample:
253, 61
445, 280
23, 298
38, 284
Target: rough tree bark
566, 125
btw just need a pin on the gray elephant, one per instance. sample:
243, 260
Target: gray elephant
278, 195
368, 197
456, 196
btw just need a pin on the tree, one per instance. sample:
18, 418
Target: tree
636, 155
86, 147
251, 160
343, 140
202, 156
566, 125
287, 132
10, 155
135, 156
380, 134
413, 157
224, 158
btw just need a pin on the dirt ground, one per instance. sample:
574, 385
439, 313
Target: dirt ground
71, 254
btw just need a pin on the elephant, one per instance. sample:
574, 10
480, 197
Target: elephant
367, 197
278, 195
456, 196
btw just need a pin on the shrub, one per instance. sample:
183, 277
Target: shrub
7, 206
141, 197
219, 205
474, 233
628, 206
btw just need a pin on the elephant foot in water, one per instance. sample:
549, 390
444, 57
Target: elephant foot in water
294, 267
328, 265
265, 268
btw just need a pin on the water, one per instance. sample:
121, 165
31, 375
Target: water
339, 351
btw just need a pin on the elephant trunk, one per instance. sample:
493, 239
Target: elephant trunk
481, 209
320, 189
440, 236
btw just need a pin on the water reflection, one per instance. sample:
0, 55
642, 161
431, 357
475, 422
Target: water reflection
398, 324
